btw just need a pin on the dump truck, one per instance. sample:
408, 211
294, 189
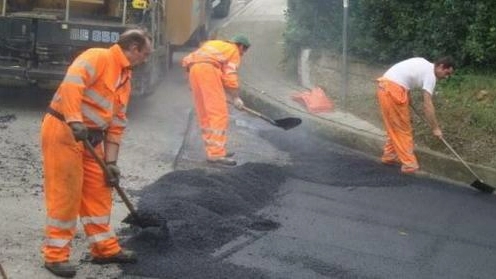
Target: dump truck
187, 31
40, 38
192, 29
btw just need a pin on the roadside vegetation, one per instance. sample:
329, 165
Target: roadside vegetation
387, 31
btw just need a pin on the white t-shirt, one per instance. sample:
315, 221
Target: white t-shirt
413, 73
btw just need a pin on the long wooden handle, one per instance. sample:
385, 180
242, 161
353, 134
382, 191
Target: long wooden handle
448, 145
460, 158
119, 190
249, 110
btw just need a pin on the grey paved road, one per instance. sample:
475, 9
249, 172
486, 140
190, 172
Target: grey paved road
315, 210
299, 206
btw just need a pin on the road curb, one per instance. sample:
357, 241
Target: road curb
433, 162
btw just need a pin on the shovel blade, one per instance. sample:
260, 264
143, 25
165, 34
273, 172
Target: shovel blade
481, 186
288, 123
143, 220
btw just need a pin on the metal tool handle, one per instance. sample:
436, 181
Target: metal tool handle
249, 110
448, 145
119, 190
460, 158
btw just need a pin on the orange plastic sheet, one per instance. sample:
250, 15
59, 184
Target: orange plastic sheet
314, 101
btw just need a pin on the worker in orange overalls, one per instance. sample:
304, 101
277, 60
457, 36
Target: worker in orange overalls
393, 96
213, 71
90, 104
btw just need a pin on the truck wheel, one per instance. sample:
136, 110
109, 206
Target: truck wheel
142, 81
202, 35
222, 10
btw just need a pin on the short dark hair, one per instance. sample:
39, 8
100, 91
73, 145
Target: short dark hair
446, 61
132, 37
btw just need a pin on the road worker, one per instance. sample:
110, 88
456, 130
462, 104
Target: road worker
90, 104
393, 96
213, 72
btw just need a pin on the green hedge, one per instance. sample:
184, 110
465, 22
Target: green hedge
390, 30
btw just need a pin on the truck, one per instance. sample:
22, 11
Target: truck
190, 31
40, 38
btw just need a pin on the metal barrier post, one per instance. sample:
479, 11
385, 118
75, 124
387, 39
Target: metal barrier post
344, 92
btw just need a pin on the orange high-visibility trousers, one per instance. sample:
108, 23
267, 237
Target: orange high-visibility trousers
394, 104
74, 186
211, 107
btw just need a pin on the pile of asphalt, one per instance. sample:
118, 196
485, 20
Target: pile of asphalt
207, 208
204, 209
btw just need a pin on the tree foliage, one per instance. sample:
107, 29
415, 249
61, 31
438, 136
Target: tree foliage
390, 30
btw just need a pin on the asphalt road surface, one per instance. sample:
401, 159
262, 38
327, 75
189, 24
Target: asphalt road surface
299, 206
296, 206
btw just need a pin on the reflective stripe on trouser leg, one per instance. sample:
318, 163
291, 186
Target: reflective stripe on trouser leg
211, 107
96, 206
214, 139
63, 177
397, 122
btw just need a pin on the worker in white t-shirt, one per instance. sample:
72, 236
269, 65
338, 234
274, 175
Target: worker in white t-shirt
392, 93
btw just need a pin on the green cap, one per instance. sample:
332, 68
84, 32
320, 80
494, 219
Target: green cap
240, 39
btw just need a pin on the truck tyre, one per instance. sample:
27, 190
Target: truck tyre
222, 10
142, 81
202, 35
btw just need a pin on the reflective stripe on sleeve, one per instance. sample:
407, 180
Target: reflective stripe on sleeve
118, 122
91, 115
87, 66
98, 99
73, 79
123, 109
231, 68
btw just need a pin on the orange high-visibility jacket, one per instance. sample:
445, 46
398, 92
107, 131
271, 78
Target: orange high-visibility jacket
96, 91
223, 55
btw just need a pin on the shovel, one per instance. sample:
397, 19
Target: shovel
285, 123
478, 183
142, 220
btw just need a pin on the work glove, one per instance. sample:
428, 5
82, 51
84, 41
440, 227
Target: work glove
95, 137
238, 103
113, 174
79, 131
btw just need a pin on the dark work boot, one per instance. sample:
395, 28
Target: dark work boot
61, 269
124, 256
222, 161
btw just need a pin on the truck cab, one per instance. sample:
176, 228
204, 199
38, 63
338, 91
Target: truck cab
40, 38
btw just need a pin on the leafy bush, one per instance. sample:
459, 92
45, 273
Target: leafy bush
308, 24
475, 94
390, 30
